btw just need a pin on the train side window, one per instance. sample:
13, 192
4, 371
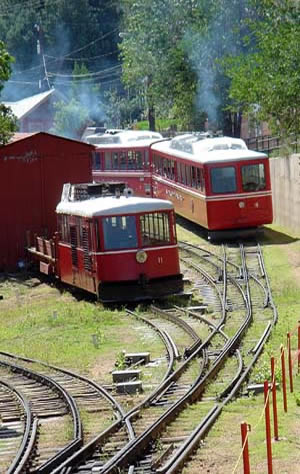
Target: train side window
147, 162
108, 160
139, 160
64, 228
253, 177
155, 229
223, 179
119, 232
115, 163
96, 160
200, 183
122, 160
131, 160
188, 175
74, 243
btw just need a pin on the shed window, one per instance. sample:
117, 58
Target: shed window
223, 180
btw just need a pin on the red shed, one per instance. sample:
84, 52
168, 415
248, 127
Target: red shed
33, 169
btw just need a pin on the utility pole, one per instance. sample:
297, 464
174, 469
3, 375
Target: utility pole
43, 70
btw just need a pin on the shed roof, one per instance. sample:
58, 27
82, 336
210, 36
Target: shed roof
26, 136
23, 107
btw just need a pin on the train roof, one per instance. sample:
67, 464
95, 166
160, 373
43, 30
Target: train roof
111, 205
203, 149
125, 138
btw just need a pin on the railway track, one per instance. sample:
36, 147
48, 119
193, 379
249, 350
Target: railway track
210, 346
58, 399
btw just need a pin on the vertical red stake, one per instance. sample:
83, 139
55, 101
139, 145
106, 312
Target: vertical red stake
290, 361
244, 434
274, 400
268, 427
283, 378
298, 347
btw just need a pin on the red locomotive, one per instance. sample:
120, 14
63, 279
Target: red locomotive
124, 156
216, 182
119, 247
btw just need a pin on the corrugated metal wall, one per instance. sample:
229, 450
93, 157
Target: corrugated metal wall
285, 179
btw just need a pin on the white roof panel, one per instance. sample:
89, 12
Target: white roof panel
207, 150
110, 205
126, 138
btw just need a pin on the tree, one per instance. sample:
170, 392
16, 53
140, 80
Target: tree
81, 30
268, 77
7, 119
70, 119
154, 59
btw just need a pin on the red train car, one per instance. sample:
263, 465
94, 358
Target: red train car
215, 182
119, 247
124, 156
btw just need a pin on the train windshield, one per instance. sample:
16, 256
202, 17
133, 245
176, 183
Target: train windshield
253, 177
155, 229
223, 180
119, 232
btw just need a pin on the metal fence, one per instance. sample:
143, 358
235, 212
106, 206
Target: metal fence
269, 143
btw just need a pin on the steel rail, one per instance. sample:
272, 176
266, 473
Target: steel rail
179, 458
75, 452
29, 435
72, 408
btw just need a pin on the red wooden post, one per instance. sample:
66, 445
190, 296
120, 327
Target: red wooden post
283, 378
274, 400
290, 362
244, 434
298, 347
268, 427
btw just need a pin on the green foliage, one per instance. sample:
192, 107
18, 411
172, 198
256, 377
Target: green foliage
70, 119
7, 119
269, 74
120, 363
8, 124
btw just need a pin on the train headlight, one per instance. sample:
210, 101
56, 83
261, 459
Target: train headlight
141, 256
256, 205
241, 204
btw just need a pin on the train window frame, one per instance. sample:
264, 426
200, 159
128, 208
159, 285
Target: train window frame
216, 182
253, 182
64, 229
118, 232
107, 161
155, 229
96, 160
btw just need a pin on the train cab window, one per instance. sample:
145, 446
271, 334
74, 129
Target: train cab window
223, 180
253, 177
155, 228
119, 232
107, 160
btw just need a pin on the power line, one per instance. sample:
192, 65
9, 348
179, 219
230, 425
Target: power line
91, 58
92, 42
91, 74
